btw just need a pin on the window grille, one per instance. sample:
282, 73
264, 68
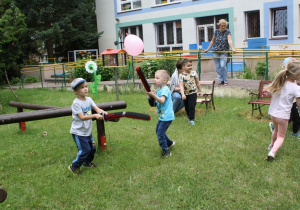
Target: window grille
279, 22
252, 24
169, 36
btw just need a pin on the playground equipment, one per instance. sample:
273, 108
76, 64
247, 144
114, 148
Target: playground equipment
114, 58
91, 67
47, 112
151, 101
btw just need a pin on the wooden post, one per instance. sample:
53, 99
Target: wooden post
22, 125
101, 134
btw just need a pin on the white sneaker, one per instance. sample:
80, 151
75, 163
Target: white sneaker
271, 156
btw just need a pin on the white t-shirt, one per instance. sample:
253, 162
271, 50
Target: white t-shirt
281, 103
82, 127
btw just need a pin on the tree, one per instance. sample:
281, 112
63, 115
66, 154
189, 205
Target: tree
62, 25
12, 27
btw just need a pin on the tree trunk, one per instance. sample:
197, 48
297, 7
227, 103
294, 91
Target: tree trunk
49, 46
9, 84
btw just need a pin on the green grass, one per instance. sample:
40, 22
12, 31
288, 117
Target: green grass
217, 164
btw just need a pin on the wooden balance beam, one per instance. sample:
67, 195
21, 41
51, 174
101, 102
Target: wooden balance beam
47, 112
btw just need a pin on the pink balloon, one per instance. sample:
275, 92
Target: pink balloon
133, 45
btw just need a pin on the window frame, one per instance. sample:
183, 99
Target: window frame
165, 40
272, 36
121, 2
166, 2
122, 33
246, 24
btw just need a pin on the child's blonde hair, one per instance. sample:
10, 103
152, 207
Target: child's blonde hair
292, 71
164, 73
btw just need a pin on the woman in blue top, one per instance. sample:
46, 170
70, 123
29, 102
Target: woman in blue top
221, 41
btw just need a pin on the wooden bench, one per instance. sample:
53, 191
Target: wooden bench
261, 98
208, 97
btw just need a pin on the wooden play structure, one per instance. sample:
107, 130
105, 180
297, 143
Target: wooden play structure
47, 112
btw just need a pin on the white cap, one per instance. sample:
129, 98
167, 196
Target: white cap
77, 82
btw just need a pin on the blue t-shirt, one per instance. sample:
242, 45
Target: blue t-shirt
165, 110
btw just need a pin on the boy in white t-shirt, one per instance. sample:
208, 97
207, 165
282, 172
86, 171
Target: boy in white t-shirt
81, 128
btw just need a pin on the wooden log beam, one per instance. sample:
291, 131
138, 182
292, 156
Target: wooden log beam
30, 106
52, 112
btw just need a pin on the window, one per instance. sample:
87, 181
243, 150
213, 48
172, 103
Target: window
279, 23
164, 1
252, 24
136, 30
206, 27
169, 36
129, 4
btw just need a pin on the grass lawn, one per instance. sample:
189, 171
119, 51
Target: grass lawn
217, 164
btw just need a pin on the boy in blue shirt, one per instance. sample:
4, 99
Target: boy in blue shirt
164, 109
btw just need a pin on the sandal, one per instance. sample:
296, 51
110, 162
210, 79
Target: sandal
225, 83
221, 83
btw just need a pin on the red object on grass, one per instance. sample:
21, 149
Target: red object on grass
103, 142
22, 126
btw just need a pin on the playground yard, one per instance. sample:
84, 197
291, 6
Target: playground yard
217, 164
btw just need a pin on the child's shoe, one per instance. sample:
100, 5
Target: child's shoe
192, 122
165, 154
271, 156
271, 126
75, 171
90, 165
296, 135
171, 144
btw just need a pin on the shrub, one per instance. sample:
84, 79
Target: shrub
260, 69
123, 73
15, 81
106, 73
150, 66
31, 79
247, 73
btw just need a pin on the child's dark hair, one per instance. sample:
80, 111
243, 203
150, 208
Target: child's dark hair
185, 61
179, 65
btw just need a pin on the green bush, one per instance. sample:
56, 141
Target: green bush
31, 79
106, 73
123, 73
260, 69
150, 66
247, 73
15, 81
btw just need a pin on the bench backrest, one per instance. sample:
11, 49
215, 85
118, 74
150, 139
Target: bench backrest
209, 90
261, 93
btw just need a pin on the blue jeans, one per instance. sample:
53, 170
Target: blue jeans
221, 66
163, 139
86, 151
177, 102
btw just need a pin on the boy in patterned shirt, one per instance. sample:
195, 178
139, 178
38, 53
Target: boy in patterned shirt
189, 83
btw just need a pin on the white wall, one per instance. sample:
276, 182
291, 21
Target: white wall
106, 22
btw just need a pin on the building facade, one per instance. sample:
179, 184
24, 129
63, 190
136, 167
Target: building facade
167, 25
